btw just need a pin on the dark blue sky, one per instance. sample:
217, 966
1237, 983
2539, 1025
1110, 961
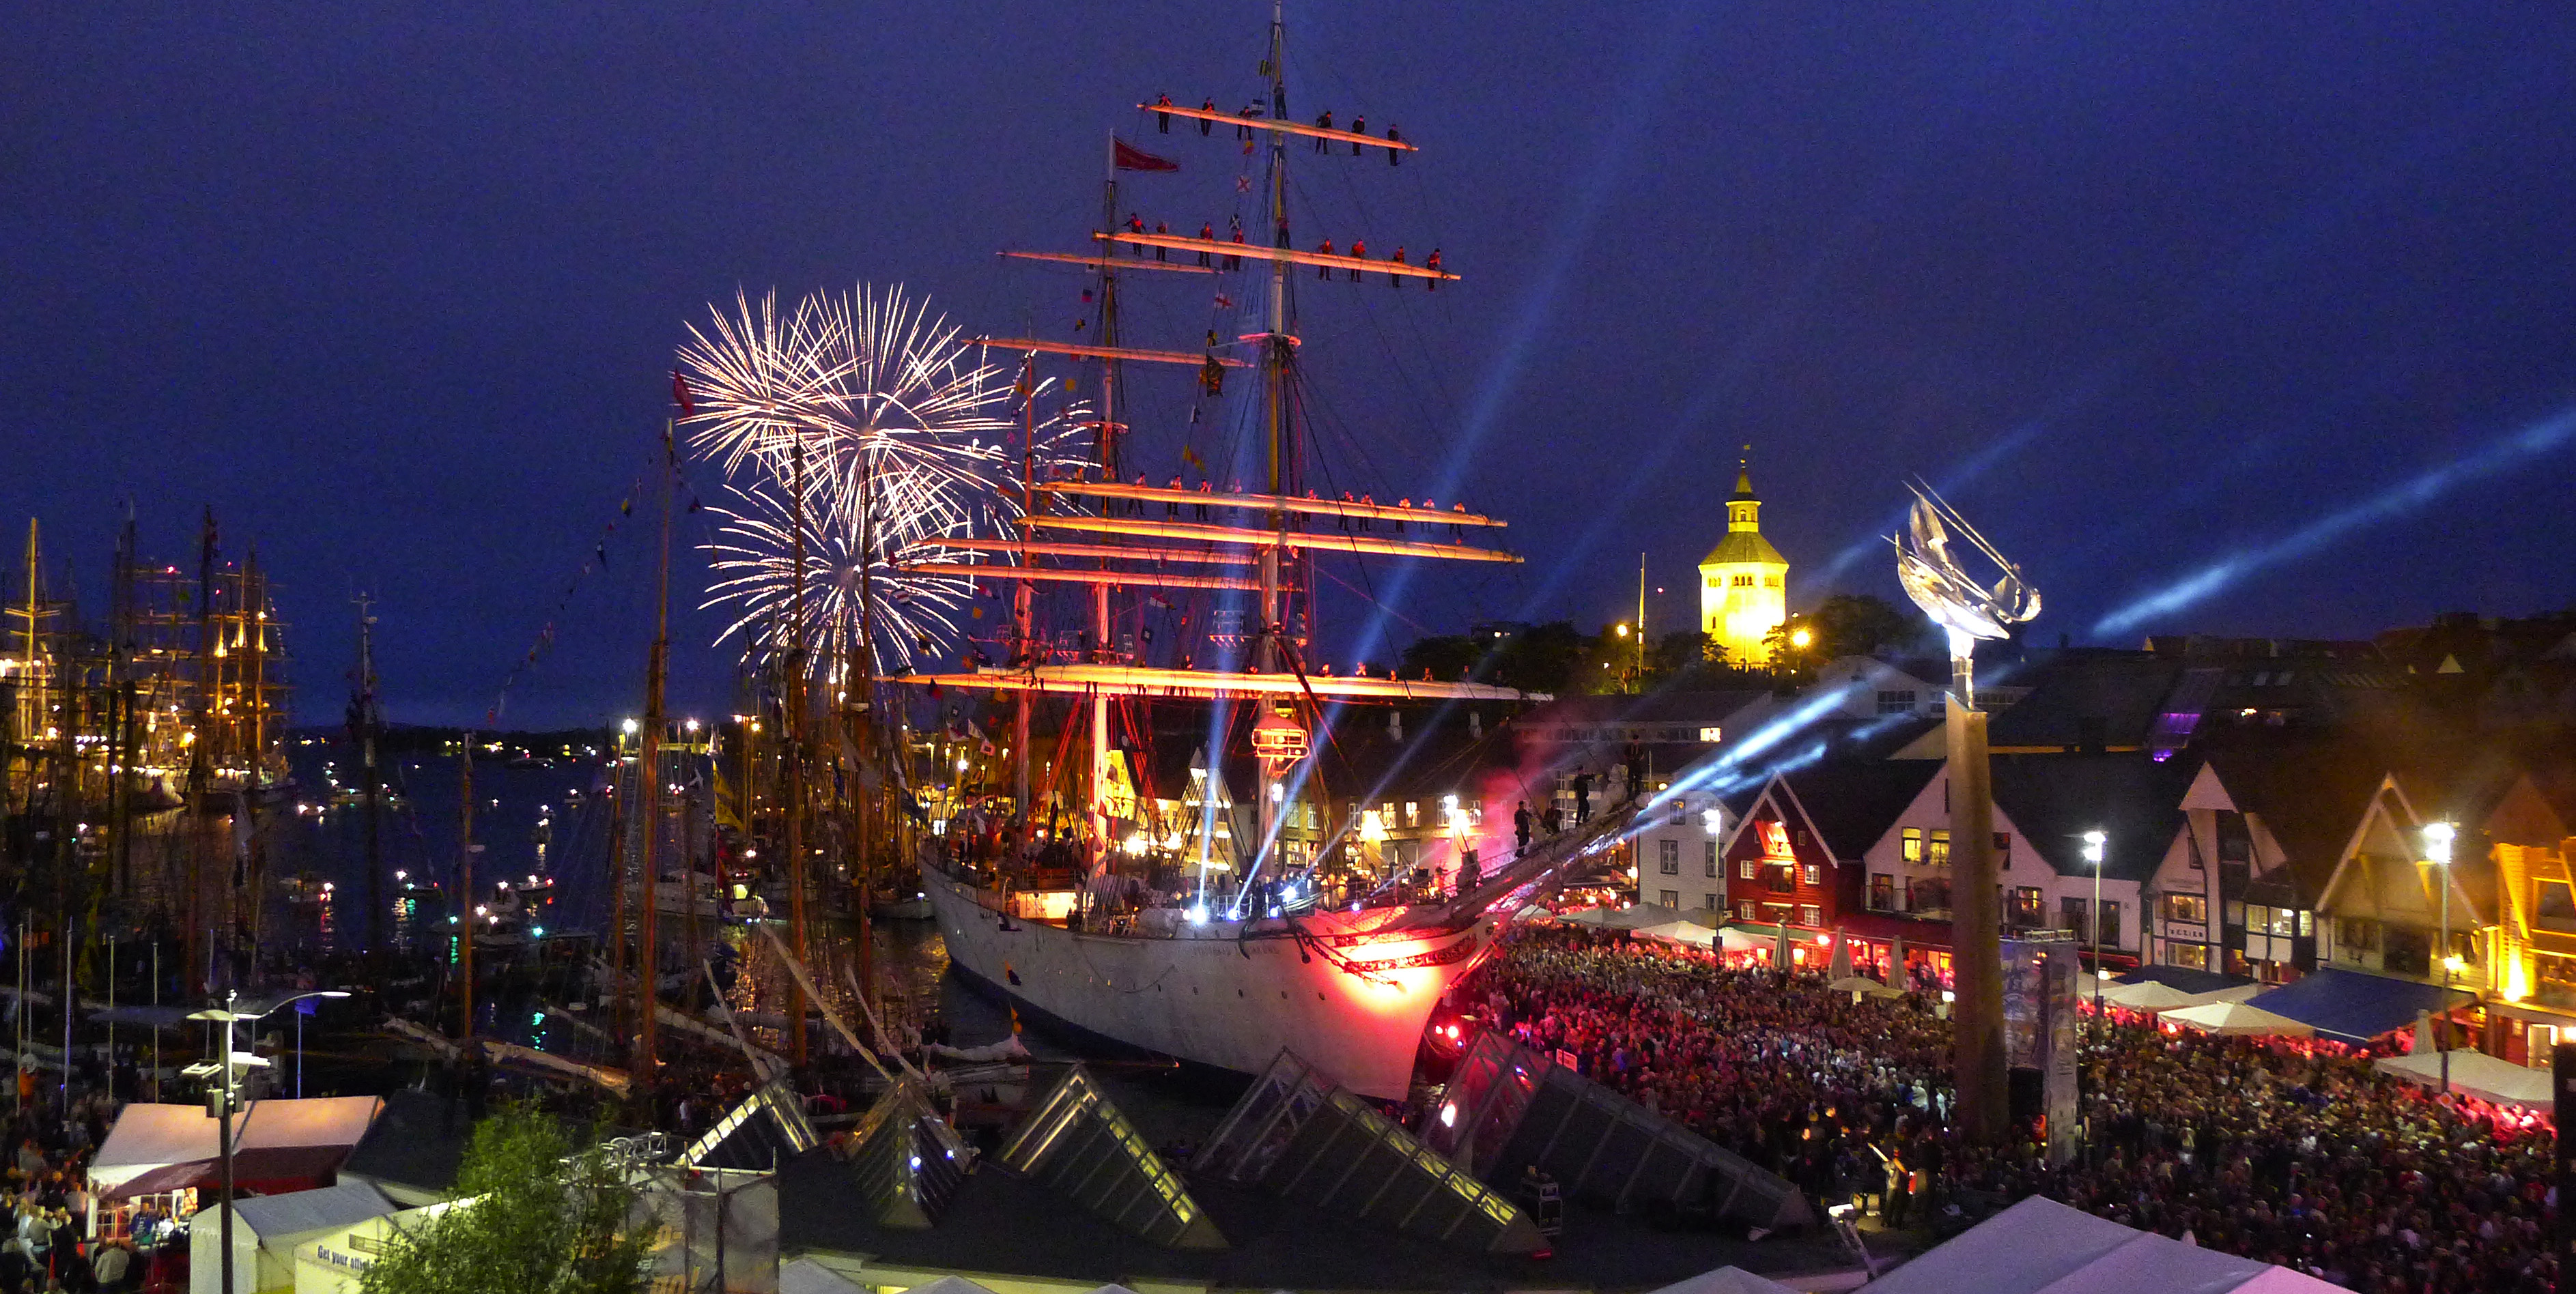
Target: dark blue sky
2149, 289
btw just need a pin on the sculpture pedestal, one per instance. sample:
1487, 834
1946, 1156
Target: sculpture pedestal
1976, 951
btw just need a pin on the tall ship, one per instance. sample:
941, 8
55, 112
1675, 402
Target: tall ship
1248, 937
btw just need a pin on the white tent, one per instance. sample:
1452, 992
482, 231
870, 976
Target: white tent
1726, 1280
266, 1231
2149, 995
146, 1137
1681, 932
2477, 1074
806, 1276
1738, 941
311, 1121
1599, 918
1638, 916
2042, 1245
2236, 1018
1863, 984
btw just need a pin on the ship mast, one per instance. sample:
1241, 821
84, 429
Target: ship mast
1275, 357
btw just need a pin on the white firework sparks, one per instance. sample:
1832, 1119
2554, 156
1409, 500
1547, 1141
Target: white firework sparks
900, 439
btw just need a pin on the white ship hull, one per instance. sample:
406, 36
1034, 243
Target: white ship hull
1351, 1003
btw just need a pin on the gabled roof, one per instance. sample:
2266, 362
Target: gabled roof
2086, 696
2133, 800
1079, 1143
1852, 803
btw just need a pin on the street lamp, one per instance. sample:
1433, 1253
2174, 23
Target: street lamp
2094, 840
2437, 848
222, 1104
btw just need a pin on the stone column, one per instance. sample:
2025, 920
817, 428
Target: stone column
1976, 951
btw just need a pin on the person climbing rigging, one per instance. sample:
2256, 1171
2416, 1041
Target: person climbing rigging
1359, 251
1324, 122
1163, 120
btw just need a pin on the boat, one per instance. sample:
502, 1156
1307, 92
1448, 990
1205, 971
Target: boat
1212, 981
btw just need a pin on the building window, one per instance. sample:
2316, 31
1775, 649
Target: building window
1413, 813
1770, 581
2193, 956
2027, 908
1748, 868
1927, 894
1668, 857
2260, 920
1708, 902
2109, 934
1936, 850
2070, 915
1812, 873
2357, 935
1712, 735
1712, 860
1882, 892
1744, 910
2186, 907
1672, 898
1911, 847
1810, 915
1895, 700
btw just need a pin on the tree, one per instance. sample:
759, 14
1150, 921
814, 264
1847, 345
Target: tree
1846, 624
536, 1219
1537, 658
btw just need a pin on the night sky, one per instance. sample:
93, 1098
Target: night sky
2223, 318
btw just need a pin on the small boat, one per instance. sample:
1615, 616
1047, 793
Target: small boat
916, 908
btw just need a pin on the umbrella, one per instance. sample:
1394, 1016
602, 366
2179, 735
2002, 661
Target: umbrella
2151, 995
2238, 1018
1839, 965
1680, 932
1859, 984
1780, 954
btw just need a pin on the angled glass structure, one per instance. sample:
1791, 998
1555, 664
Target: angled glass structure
765, 1127
1509, 1108
1298, 1134
908, 1161
1078, 1142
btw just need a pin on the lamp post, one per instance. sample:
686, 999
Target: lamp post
2437, 848
224, 1100
2093, 850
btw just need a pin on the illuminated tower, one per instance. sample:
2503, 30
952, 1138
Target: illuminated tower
1744, 581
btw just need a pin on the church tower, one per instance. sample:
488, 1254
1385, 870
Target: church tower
1744, 581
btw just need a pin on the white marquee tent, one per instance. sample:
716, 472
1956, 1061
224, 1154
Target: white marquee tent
2042, 1245
2476, 1073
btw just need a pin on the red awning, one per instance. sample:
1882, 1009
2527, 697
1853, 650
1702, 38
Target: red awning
269, 1170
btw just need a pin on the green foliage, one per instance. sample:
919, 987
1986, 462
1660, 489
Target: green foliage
1540, 658
1846, 624
538, 1222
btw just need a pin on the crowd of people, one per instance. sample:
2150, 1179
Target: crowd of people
2285, 1154
44, 1188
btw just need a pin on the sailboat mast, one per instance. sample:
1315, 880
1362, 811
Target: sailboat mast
793, 763
1107, 442
1022, 650
1275, 349
465, 882
371, 779
647, 966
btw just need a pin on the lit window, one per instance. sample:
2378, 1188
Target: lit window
1744, 910
1746, 868
1911, 849
1413, 813
1711, 735
1812, 873
1810, 915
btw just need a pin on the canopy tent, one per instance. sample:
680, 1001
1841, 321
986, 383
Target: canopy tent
1863, 984
1726, 1280
2042, 1245
267, 1229
146, 1137
806, 1276
1598, 918
2237, 1019
277, 1145
2206, 984
1730, 939
2350, 1006
1681, 932
2477, 1074
2149, 996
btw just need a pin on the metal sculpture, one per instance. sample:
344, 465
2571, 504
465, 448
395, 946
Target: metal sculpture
1965, 608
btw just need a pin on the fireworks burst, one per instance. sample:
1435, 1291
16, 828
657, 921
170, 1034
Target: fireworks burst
866, 418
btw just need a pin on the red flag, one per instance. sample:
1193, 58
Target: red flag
680, 395
1132, 158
